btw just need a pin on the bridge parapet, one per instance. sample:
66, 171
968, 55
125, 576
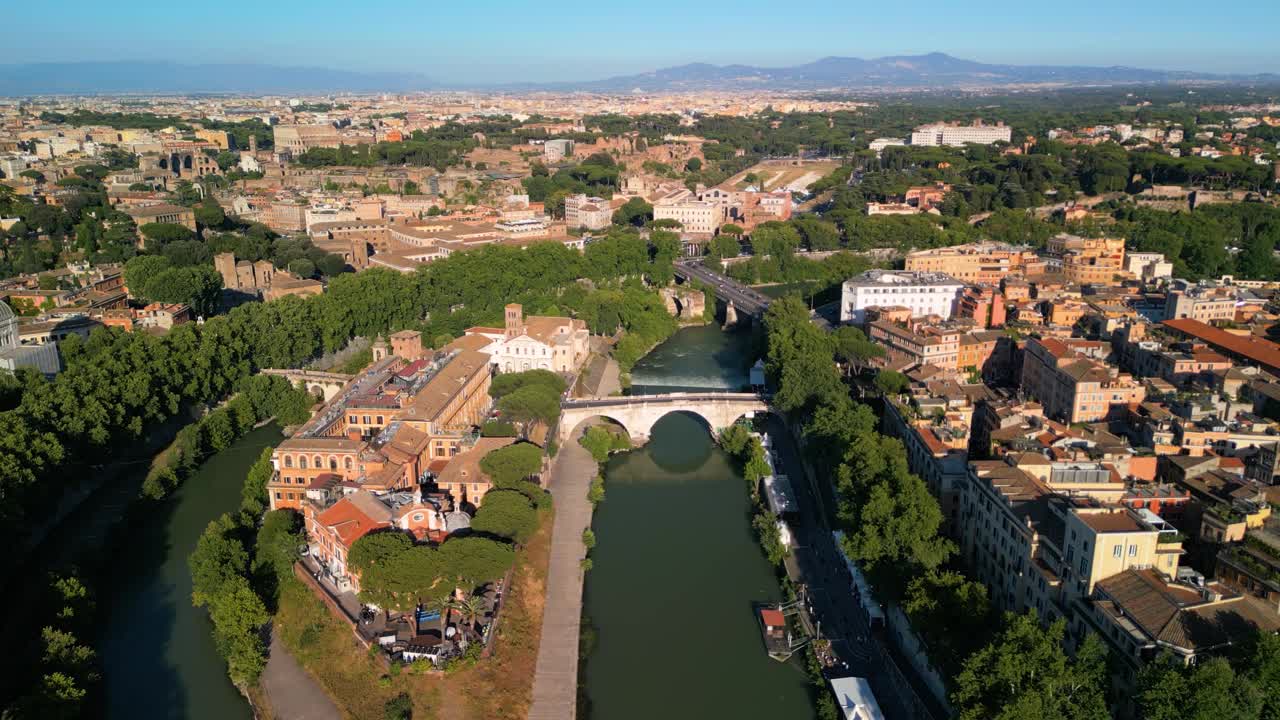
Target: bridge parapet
637, 414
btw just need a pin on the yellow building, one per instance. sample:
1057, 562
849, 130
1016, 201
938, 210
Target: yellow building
217, 137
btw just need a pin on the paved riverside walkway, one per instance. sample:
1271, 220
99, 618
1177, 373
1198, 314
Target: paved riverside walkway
293, 694
555, 680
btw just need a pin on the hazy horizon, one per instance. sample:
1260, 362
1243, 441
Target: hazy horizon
496, 41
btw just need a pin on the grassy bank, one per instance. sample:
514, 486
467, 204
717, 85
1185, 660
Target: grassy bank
499, 687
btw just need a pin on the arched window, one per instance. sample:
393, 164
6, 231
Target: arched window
347, 463
317, 462
302, 461
288, 461
333, 463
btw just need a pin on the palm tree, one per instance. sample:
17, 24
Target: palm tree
471, 608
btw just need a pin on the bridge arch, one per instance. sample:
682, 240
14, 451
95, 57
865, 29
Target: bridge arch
580, 426
323, 385
638, 413
688, 412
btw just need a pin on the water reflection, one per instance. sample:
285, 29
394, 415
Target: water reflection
670, 596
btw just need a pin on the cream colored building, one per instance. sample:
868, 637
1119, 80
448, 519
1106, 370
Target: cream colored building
694, 216
956, 134
558, 344
592, 213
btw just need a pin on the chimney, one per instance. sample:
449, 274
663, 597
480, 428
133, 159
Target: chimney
514, 320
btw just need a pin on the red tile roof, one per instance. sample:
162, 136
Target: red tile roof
773, 618
350, 518
1263, 352
1055, 347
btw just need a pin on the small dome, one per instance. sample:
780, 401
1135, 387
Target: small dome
6, 313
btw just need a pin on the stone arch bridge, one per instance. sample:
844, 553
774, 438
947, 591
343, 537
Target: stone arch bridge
637, 414
325, 384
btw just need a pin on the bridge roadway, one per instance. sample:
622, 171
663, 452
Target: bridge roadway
638, 413
680, 398
744, 299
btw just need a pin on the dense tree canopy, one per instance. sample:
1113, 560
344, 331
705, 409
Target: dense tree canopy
891, 521
511, 464
397, 574
1024, 674
507, 514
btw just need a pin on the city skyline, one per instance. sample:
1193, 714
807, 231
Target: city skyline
509, 42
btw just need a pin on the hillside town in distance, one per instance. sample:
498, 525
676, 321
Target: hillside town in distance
1000, 369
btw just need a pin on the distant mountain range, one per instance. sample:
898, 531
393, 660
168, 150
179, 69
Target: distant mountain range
934, 70
87, 78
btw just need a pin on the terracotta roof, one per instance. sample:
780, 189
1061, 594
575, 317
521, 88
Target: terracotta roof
1119, 521
1261, 351
465, 466
445, 385
773, 618
475, 343
1180, 616
330, 444
354, 516
1054, 346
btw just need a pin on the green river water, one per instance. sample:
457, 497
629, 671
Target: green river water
157, 649
677, 568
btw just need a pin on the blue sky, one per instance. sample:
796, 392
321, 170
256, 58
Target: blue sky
505, 40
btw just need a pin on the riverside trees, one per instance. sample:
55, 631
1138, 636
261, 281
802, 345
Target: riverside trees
891, 520
117, 387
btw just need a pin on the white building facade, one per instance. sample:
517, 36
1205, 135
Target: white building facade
923, 293
947, 134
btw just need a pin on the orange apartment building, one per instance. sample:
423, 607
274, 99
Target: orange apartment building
983, 304
1089, 261
391, 424
1064, 312
1073, 388
924, 344
977, 263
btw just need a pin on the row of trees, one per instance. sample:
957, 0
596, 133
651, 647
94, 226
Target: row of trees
892, 524
1227, 238
117, 386
1022, 671
239, 131
257, 398
748, 452
64, 671
240, 563
892, 521
422, 149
